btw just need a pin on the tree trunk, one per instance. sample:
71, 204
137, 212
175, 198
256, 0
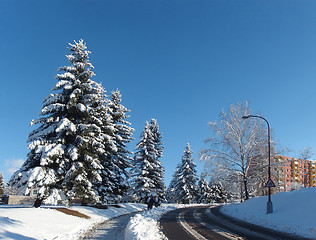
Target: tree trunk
38, 202
246, 189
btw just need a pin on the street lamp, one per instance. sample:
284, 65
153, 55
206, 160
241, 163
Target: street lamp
270, 182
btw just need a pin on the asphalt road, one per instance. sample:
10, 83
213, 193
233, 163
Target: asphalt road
208, 223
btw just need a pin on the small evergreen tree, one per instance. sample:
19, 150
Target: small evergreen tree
218, 193
204, 191
185, 187
171, 194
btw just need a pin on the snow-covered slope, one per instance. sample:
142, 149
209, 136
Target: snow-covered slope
18, 222
293, 212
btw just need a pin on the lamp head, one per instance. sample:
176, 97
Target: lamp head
245, 117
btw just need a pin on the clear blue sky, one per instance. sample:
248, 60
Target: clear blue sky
180, 61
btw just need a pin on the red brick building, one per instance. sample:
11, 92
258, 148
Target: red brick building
294, 173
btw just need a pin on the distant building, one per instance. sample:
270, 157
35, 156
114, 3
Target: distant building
294, 173
21, 200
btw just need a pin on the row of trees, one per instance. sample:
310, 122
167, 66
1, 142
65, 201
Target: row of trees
235, 163
79, 148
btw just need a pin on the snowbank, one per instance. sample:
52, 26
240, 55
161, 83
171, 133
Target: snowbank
293, 212
144, 225
23, 222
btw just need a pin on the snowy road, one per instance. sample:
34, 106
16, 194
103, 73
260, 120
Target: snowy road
208, 223
111, 229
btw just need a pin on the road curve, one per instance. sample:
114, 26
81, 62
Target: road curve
208, 223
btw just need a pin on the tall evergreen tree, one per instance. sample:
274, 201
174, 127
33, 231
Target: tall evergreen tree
143, 169
65, 149
121, 158
160, 170
154, 127
147, 170
105, 145
185, 187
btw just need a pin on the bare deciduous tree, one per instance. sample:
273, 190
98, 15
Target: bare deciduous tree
238, 148
306, 153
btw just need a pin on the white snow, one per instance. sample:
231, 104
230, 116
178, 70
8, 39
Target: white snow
24, 222
294, 212
145, 225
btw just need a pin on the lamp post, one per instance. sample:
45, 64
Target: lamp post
270, 182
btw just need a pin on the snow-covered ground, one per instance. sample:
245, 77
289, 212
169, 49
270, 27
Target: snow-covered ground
26, 223
145, 225
294, 212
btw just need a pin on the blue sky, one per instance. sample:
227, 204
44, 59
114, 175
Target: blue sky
180, 61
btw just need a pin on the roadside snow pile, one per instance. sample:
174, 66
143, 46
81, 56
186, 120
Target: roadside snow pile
24, 222
293, 212
144, 226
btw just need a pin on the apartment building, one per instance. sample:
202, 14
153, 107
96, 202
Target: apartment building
294, 173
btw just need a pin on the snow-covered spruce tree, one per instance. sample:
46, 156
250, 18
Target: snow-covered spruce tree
104, 146
142, 169
121, 157
204, 194
154, 127
170, 194
64, 149
160, 170
1, 185
146, 170
218, 193
185, 187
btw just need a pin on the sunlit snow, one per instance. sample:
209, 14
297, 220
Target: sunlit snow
18, 222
